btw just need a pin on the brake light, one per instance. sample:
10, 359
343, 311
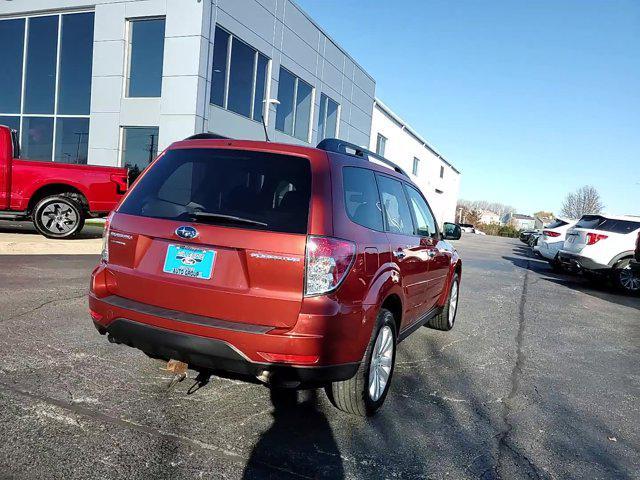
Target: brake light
121, 181
328, 260
550, 233
593, 238
104, 256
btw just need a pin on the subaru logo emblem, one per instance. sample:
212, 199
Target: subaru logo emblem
186, 232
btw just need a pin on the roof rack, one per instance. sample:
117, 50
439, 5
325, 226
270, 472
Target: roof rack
206, 136
340, 146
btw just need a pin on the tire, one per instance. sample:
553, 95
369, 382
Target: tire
355, 396
556, 266
447, 317
625, 279
58, 216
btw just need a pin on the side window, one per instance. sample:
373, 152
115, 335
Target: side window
361, 197
425, 223
395, 206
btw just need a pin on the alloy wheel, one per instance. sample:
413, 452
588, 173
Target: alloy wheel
629, 279
58, 218
453, 303
381, 362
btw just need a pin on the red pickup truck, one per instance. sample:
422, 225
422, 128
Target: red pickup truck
57, 197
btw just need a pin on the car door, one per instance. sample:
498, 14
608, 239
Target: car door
438, 257
405, 246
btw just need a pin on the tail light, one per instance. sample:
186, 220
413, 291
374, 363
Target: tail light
121, 180
593, 238
328, 260
104, 256
550, 233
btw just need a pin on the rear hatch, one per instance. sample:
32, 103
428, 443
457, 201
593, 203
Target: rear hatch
577, 237
216, 232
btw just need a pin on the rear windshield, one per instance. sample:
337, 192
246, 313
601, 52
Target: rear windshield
557, 223
255, 190
596, 222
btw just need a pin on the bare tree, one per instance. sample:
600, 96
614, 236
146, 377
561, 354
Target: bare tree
473, 217
496, 207
583, 201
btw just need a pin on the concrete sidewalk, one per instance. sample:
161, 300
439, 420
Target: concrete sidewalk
21, 238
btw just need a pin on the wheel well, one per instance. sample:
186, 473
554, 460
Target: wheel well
458, 269
394, 305
56, 189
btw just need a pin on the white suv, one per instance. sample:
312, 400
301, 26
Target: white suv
552, 239
603, 244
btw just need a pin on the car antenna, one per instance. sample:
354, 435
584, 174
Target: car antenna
268, 102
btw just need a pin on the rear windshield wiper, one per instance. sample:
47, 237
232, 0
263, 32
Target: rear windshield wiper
226, 218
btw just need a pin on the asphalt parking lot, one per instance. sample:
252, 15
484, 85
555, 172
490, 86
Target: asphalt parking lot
539, 379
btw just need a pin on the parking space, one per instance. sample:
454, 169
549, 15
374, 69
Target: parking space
539, 379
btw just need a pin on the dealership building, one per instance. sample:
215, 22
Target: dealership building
112, 82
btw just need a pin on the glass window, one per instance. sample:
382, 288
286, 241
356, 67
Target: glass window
293, 115
361, 197
286, 97
425, 223
11, 122
72, 135
220, 49
11, 56
76, 56
37, 138
395, 207
261, 87
42, 46
245, 89
263, 191
146, 50
241, 78
381, 144
303, 110
139, 148
416, 164
328, 118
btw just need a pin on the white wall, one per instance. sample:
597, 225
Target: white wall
402, 146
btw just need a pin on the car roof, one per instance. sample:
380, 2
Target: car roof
630, 218
291, 149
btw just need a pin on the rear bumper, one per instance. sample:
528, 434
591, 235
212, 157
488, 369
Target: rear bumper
216, 355
322, 348
576, 262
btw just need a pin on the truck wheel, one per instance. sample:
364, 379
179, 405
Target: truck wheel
58, 216
625, 278
365, 392
444, 320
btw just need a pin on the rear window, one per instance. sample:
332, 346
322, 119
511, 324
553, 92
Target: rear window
557, 223
254, 190
596, 222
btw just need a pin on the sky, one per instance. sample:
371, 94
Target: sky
528, 99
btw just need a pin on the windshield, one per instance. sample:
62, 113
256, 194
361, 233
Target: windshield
255, 190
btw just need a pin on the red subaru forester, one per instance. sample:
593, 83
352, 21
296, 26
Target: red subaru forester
297, 266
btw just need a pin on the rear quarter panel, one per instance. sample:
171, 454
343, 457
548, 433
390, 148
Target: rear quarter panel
93, 182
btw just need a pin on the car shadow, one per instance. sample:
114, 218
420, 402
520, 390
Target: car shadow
599, 288
299, 434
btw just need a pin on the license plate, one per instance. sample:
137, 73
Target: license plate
189, 262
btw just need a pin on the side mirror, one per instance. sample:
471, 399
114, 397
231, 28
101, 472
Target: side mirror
451, 231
